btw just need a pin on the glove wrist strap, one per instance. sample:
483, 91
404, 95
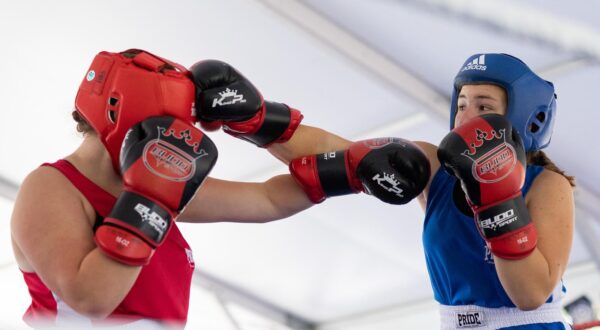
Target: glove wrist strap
142, 216
276, 122
508, 229
333, 173
504, 217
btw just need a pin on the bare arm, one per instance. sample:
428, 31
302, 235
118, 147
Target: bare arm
253, 202
220, 200
308, 140
277, 198
530, 281
52, 234
430, 151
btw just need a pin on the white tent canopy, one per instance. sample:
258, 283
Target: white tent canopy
360, 69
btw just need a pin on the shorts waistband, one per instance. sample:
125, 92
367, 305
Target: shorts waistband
483, 318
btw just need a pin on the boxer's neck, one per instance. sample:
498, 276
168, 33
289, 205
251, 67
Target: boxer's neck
92, 159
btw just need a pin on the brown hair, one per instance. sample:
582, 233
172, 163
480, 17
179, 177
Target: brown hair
82, 125
540, 158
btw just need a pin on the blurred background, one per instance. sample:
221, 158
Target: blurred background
358, 68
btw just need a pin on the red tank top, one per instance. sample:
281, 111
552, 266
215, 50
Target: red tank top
162, 289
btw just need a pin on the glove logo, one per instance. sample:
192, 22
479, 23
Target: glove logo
227, 97
122, 241
495, 164
152, 218
172, 155
389, 183
499, 220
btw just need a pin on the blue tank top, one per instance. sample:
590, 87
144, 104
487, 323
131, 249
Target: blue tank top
460, 265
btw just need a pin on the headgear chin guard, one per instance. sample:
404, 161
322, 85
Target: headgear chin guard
122, 89
531, 100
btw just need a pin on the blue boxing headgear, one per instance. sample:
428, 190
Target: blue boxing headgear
531, 99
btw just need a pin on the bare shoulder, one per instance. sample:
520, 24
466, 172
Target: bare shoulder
49, 219
430, 151
428, 148
551, 205
46, 187
551, 186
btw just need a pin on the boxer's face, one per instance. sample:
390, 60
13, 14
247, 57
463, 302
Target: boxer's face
476, 100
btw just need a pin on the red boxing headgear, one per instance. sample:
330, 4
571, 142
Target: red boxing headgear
122, 89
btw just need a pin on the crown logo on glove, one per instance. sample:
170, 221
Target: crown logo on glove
493, 159
174, 153
482, 137
174, 138
228, 93
389, 183
227, 97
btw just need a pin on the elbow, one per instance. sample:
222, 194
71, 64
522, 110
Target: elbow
95, 305
276, 213
530, 302
531, 297
267, 219
528, 306
92, 308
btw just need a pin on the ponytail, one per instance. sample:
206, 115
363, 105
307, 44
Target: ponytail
540, 158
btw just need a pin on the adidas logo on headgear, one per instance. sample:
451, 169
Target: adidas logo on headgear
476, 64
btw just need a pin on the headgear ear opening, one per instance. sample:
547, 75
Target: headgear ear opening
531, 103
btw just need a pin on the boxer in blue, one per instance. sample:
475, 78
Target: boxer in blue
498, 212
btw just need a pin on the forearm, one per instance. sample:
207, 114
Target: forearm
99, 285
286, 198
528, 281
250, 202
308, 140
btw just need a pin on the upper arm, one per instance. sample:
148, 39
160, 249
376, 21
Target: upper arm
222, 200
51, 227
430, 151
551, 206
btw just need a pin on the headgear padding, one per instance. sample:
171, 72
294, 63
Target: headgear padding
531, 100
122, 89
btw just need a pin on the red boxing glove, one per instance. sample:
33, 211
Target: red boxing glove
391, 169
163, 162
487, 155
225, 97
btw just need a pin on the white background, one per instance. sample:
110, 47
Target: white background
351, 262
